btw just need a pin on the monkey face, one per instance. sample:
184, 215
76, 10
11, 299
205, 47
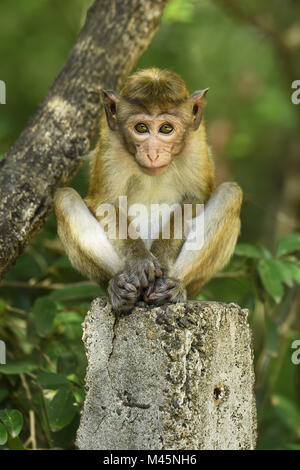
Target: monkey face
154, 139
153, 117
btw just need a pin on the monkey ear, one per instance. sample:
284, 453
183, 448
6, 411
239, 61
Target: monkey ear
198, 103
110, 100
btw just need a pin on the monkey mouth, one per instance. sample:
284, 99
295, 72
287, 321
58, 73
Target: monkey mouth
154, 171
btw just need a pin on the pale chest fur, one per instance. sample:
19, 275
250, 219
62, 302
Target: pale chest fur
150, 201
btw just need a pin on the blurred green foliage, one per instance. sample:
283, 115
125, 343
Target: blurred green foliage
254, 131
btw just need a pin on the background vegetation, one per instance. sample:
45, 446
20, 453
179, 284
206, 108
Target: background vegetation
248, 54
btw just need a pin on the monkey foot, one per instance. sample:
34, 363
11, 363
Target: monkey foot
123, 292
163, 290
142, 272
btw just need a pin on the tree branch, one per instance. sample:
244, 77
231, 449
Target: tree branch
52, 146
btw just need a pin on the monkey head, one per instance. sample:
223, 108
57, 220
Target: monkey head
154, 116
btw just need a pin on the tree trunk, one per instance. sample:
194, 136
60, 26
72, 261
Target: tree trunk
58, 135
172, 377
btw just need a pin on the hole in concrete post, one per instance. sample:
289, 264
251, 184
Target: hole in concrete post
219, 393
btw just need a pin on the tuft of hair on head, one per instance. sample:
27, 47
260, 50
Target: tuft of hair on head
155, 86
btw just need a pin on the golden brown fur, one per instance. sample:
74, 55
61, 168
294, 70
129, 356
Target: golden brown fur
149, 166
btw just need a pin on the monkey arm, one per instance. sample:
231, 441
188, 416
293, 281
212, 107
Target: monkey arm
136, 266
166, 250
84, 239
221, 229
167, 287
131, 248
190, 269
141, 268
124, 267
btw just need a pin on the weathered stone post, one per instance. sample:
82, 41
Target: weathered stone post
172, 377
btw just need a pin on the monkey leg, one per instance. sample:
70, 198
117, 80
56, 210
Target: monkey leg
196, 263
94, 255
84, 239
194, 267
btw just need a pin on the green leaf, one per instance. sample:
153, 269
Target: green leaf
79, 395
3, 435
295, 271
245, 249
288, 244
52, 381
265, 253
289, 271
14, 443
76, 292
61, 410
17, 367
12, 420
271, 278
70, 317
44, 311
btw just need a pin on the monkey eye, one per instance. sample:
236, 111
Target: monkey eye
166, 128
141, 128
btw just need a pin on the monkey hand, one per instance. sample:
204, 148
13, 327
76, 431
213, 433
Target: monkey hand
143, 271
125, 288
123, 292
165, 289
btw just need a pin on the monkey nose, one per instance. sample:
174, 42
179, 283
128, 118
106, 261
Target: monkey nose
153, 157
